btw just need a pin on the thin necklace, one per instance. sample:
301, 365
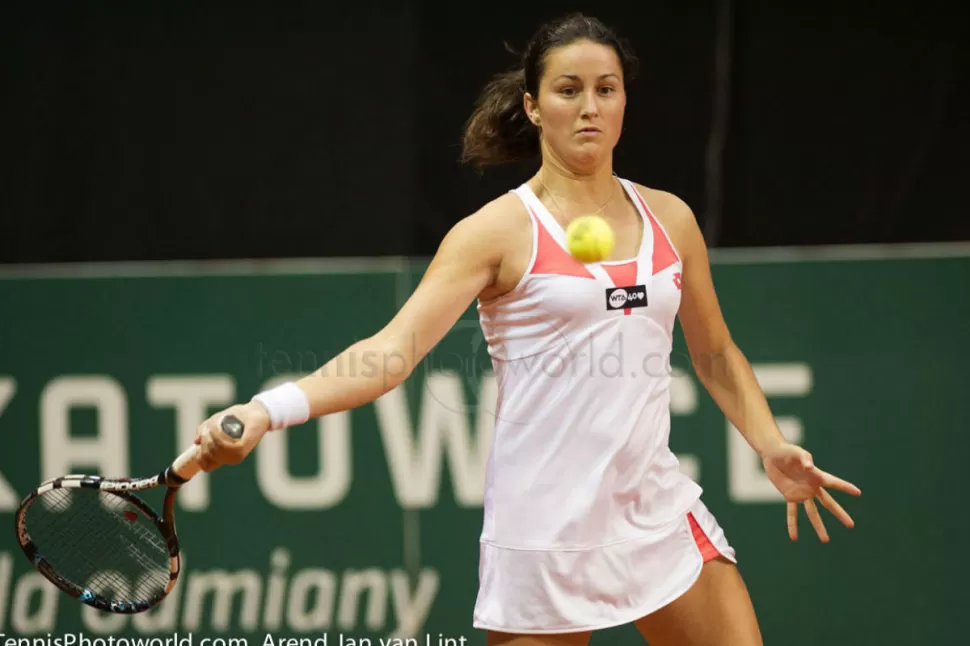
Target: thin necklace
558, 206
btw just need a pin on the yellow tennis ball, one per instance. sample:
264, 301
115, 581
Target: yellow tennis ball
590, 238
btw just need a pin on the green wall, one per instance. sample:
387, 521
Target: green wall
366, 524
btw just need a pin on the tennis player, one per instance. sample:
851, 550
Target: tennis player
588, 521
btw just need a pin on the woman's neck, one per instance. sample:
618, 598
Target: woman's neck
586, 191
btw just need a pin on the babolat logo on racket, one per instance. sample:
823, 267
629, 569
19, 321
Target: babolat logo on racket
621, 298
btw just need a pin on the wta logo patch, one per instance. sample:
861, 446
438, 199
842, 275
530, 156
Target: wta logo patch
621, 298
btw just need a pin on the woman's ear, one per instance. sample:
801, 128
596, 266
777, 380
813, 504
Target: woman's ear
531, 108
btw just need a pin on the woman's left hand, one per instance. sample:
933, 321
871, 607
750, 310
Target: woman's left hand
793, 472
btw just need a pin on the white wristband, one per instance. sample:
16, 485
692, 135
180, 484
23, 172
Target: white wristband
287, 405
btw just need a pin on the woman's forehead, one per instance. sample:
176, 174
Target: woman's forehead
582, 58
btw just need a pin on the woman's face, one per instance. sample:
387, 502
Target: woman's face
580, 104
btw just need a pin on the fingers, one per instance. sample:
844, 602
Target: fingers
829, 481
815, 517
812, 511
216, 447
211, 454
206, 460
829, 502
793, 521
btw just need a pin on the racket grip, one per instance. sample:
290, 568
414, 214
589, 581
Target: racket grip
187, 465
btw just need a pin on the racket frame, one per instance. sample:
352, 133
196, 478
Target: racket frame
123, 488
183, 469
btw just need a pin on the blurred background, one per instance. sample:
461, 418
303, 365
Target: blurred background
200, 199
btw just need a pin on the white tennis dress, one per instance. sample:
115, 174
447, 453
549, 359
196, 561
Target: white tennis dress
588, 521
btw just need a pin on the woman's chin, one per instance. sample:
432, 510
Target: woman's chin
589, 155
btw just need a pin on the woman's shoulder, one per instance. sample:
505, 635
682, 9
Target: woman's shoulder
508, 205
496, 218
664, 203
489, 227
672, 212
667, 207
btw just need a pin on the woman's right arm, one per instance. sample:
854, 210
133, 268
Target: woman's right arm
466, 262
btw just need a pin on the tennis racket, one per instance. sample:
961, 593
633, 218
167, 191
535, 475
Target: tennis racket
96, 540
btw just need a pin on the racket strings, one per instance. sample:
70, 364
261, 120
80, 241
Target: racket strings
100, 541
76, 548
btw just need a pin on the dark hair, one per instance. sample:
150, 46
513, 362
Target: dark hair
498, 131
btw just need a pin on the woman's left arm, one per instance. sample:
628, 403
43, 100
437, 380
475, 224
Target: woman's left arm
726, 374
718, 362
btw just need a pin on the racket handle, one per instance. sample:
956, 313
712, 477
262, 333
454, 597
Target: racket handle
187, 465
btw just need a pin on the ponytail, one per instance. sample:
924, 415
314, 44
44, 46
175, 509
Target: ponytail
498, 131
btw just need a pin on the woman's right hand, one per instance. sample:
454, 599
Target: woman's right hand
218, 449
